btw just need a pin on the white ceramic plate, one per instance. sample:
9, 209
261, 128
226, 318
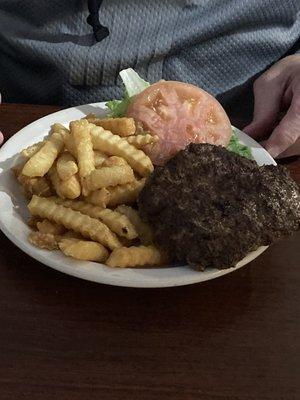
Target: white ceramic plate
13, 214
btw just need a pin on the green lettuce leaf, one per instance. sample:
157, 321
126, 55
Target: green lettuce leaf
134, 85
237, 147
118, 108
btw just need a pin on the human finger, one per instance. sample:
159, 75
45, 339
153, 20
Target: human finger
294, 150
268, 91
287, 131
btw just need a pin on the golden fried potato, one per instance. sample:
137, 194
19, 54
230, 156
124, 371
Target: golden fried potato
63, 131
43, 240
118, 126
99, 158
46, 226
70, 145
117, 146
74, 220
116, 221
139, 141
69, 189
98, 197
144, 230
40, 163
83, 250
135, 256
125, 194
31, 150
80, 131
66, 166
57, 127
38, 185
109, 176
101, 161
114, 161
79, 205
56, 181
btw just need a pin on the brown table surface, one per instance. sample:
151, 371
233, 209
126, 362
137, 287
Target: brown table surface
236, 337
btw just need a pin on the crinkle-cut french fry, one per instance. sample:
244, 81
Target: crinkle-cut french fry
40, 163
139, 141
117, 146
43, 240
116, 221
135, 256
99, 197
114, 161
63, 131
79, 205
118, 126
46, 226
56, 181
31, 150
69, 189
125, 194
57, 127
83, 250
70, 145
66, 166
67, 138
109, 176
80, 131
144, 231
99, 158
38, 185
75, 220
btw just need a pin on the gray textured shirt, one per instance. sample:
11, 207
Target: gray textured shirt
48, 53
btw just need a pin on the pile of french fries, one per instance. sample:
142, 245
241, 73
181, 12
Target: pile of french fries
82, 183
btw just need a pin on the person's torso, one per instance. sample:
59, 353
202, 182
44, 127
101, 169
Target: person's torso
48, 52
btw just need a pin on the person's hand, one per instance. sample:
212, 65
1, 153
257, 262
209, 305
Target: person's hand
277, 108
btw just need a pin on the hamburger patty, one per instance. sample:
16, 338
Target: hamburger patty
210, 207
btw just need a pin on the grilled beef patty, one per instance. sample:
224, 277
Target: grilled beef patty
210, 207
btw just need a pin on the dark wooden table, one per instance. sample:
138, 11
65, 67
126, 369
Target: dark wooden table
236, 337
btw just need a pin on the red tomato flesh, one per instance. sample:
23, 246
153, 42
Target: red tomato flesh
179, 113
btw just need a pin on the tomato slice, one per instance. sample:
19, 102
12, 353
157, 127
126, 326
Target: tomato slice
179, 113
